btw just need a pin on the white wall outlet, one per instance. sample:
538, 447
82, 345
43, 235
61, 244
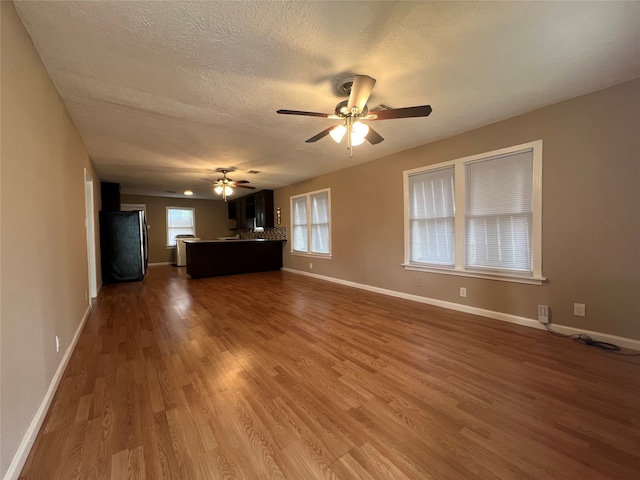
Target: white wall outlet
86, 295
579, 309
543, 313
57, 343
463, 292
310, 266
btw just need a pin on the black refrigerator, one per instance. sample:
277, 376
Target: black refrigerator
123, 246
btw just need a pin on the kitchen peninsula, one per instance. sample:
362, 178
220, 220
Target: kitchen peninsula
208, 258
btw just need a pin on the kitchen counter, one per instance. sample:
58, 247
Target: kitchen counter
207, 258
227, 240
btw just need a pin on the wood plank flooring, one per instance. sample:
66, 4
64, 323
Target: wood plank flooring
279, 376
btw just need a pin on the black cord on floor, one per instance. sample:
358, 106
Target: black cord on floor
587, 340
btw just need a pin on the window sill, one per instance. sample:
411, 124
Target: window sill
313, 255
501, 277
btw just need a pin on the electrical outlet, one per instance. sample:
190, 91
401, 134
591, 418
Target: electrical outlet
86, 295
543, 313
463, 292
579, 309
57, 343
310, 266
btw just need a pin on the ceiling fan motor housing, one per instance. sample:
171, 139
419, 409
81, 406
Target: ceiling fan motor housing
341, 109
344, 86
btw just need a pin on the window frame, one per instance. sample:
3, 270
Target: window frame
309, 225
459, 268
167, 208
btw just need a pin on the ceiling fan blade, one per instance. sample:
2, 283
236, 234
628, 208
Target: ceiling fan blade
320, 135
306, 114
360, 91
242, 181
245, 186
408, 112
373, 137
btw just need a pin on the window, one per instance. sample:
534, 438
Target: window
431, 214
477, 216
311, 223
180, 221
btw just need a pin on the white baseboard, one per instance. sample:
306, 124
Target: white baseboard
157, 264
505, 317
13, 472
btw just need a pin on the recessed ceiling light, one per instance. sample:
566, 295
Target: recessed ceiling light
188, 192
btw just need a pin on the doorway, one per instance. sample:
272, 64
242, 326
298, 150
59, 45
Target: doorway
91, 234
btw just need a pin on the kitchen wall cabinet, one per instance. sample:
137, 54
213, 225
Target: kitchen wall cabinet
231, 206
264, 209
258, 205
110, 193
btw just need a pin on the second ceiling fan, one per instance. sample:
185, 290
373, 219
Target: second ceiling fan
224, 186
351, 112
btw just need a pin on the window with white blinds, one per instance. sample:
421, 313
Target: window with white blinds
180, 221
477, 216
311, 223
319, 222
299, 224
499, 212
432, 216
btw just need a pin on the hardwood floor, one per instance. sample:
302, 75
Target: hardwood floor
279, 376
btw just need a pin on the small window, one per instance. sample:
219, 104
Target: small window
180, 221
311, 223
477, 216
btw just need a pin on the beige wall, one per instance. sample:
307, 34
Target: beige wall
211, 221
44, 275
591, 196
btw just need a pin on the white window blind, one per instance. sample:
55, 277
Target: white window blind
179, 221
432, 217
320, 222
299, 220
311, 223
499, 212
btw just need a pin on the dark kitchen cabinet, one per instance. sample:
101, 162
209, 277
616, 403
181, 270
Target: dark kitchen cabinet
264, 209
250, 206
110, 193
232, 208
241, 213
258, 206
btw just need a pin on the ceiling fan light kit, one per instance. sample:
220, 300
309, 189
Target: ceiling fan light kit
227, 190
355, 109
338, 132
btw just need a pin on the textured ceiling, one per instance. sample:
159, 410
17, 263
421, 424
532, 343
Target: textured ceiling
164, 92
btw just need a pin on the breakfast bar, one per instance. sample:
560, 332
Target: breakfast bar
208, 258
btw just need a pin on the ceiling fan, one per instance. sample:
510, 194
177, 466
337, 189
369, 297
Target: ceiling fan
224, 186
351, 112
